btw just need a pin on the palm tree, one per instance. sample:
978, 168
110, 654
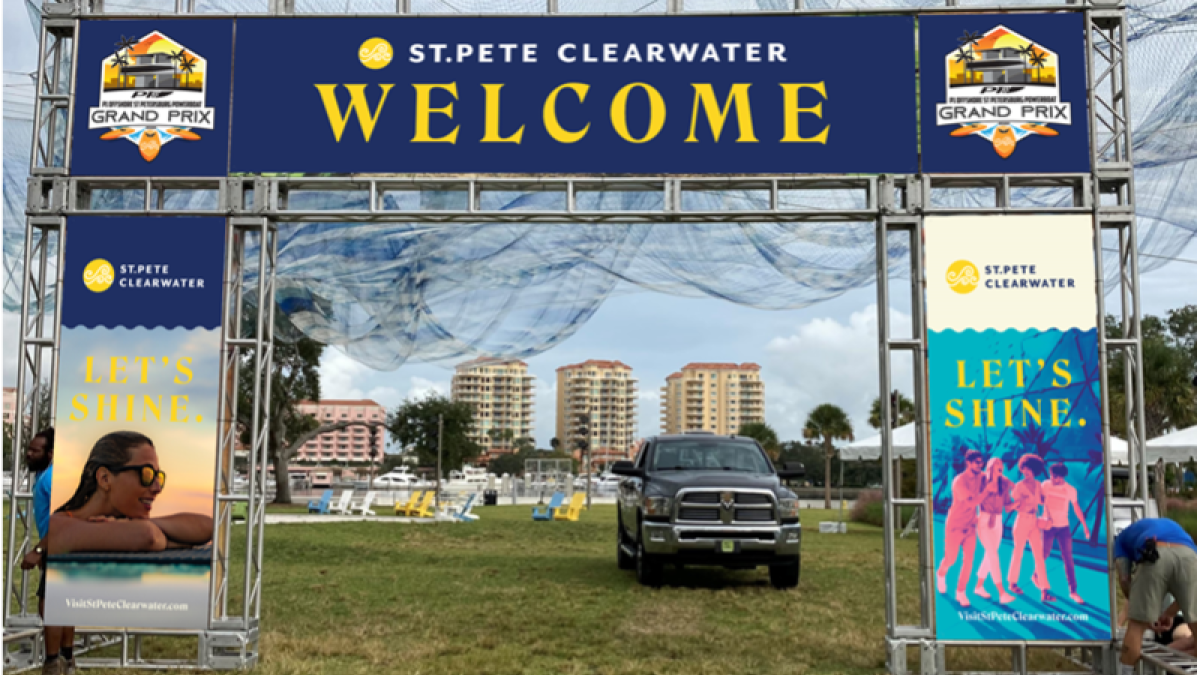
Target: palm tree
187, 66
828, 423
1037, 60
1026, 53
965, 57
907, 412
121, 62
764, 434
555, 444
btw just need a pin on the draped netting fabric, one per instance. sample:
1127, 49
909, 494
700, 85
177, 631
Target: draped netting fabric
386, 294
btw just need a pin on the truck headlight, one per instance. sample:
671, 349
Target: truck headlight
789, 508
656, 507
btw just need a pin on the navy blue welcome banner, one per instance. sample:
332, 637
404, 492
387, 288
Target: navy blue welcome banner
563, 94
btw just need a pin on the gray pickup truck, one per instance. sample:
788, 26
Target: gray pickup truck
701, 499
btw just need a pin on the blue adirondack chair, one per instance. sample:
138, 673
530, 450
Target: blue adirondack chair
547, 512
464, 514
321, 505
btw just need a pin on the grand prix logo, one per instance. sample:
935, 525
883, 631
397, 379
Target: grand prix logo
1003, 87
152, 93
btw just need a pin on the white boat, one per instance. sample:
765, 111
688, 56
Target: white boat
469, 479
398, 479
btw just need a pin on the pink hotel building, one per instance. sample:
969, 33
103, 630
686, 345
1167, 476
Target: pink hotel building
351, 444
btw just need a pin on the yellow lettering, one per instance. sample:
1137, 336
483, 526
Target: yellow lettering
424, 111
114, 369
658, 112
962, 376
491, 118
145, 363
79, 402
358, 104
955, 412
550, 115
1062, 371
129, 407
150, 405
791, 108
1056, 414
1020, 365
991, 413
1028, 411
1008, 412
988, 373
112, 410
176, 409
87, 375
179, 365
739, 94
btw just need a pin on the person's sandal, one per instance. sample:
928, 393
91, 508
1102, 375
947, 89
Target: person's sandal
1015, 589
1047, 596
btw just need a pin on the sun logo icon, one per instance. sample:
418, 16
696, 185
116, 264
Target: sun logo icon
375, 53
962, 276
98, 275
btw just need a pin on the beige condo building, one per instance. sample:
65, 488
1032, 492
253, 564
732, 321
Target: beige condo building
606, 392
501, 392
716, 397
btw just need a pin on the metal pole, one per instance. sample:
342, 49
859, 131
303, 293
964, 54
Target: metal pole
437, 495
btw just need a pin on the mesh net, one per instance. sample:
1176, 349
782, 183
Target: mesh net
388, 294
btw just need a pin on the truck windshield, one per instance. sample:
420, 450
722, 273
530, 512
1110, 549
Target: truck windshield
712, 454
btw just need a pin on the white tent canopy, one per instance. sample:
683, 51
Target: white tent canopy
904, 446
1177, 446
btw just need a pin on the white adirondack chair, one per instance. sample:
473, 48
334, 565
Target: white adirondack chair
343, 503
364, 507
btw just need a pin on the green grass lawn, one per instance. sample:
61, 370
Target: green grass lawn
507, 595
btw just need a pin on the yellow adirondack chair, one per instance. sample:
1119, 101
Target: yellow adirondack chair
425, 509
570, 512
413, 499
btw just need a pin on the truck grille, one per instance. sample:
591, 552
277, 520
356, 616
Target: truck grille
693, 535
755, 515
700, 514
705, 507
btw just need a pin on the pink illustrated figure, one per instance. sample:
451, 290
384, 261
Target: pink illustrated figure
1060, 497
996, 500
966, 494
1027, 495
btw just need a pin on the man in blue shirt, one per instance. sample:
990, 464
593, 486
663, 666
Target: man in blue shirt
60, 640
1153, 557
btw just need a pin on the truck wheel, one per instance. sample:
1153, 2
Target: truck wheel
649, 568
786, 575
624, 561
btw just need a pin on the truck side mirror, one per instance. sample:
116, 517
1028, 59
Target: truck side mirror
791, 470
626, 468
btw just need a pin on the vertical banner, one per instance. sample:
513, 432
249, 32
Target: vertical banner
1017, 466
132, 493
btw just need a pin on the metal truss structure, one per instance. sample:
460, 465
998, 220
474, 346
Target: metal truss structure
254, 206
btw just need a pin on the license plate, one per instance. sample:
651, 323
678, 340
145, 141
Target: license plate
728, 546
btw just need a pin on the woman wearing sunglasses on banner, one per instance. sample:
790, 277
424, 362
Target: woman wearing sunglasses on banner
110, 510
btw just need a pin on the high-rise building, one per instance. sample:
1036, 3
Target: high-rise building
501, 392
716, 397
348, 444
10, 404
606, 392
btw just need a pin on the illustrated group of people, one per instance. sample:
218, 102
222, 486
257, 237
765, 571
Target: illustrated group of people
980, 500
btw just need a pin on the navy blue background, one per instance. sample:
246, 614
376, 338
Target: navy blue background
192, 247
90, 156
280, 124
1066, 153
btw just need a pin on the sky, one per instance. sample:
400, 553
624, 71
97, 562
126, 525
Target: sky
824, 353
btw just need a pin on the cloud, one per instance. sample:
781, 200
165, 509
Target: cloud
827, 361
421, 387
